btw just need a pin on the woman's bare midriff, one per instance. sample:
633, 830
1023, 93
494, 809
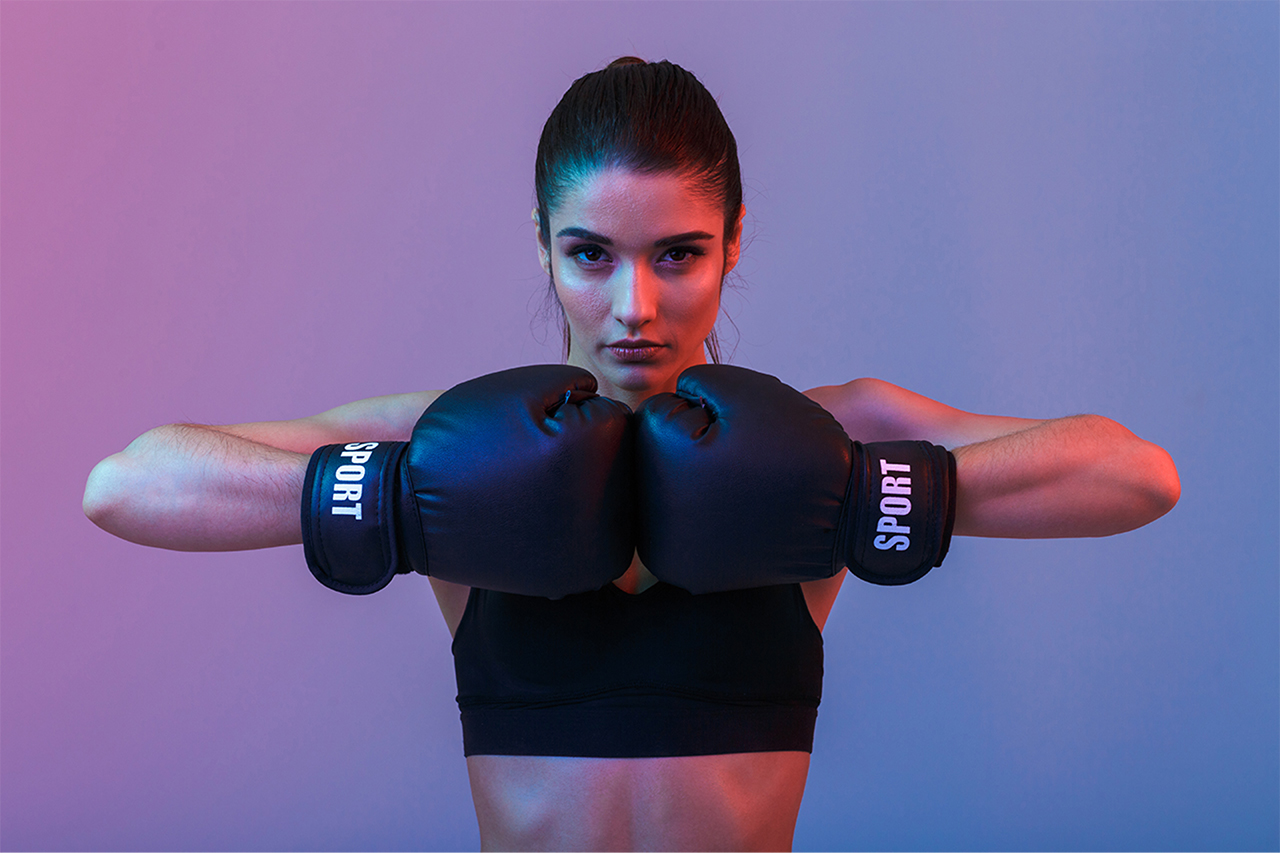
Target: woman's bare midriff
741, 801
747, 801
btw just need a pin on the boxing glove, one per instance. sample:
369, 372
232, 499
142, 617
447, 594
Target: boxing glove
519, 481
743, 481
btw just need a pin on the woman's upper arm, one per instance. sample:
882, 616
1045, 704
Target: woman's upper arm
875, 410
388, 418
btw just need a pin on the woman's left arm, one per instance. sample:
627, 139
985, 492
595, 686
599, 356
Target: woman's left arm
1083, 475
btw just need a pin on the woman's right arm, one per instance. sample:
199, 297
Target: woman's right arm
226, 488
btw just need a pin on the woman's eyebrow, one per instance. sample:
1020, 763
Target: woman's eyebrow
683, 238
584, 234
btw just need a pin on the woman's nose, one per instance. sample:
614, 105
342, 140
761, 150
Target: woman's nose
635, 296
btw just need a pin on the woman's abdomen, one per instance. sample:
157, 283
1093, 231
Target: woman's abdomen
745, 801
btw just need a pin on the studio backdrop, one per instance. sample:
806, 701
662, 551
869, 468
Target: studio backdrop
219, 212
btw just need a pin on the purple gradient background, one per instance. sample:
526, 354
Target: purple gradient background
227, 212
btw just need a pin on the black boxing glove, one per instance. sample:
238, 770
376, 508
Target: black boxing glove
743, 481
519, 481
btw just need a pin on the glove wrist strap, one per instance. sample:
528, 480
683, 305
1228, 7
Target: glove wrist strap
902, 497
350, 533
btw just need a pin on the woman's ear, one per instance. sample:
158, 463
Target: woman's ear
733, 246
544, 251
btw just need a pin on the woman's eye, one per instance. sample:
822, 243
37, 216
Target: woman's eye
683, 254
588, 254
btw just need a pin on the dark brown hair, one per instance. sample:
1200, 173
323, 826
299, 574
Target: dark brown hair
647, 116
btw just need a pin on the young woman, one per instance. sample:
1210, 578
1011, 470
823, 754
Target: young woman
638, 221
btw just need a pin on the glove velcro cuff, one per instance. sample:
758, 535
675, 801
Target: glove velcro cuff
901, 510
349, 516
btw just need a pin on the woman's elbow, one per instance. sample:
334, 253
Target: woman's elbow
105, 492
1158, 484
1168, 485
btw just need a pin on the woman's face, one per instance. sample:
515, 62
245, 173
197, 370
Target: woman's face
637, 260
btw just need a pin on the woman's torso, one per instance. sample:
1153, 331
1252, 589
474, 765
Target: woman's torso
743, 800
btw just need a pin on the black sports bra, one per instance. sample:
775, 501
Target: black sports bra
612, 675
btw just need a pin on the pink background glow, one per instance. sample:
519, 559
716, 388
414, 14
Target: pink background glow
226, 212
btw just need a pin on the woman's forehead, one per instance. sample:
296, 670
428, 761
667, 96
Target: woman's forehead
627, 202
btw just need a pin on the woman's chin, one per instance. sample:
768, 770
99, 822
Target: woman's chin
638, 379
633, 378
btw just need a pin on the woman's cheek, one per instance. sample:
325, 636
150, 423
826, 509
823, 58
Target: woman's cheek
703, 305
584, 304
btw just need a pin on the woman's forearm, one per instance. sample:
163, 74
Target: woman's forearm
197, 488
1078, 476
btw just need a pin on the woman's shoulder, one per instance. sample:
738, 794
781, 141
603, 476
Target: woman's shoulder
389, 417
874, 410
386, 418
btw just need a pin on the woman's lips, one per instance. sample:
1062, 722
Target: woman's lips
635, 351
